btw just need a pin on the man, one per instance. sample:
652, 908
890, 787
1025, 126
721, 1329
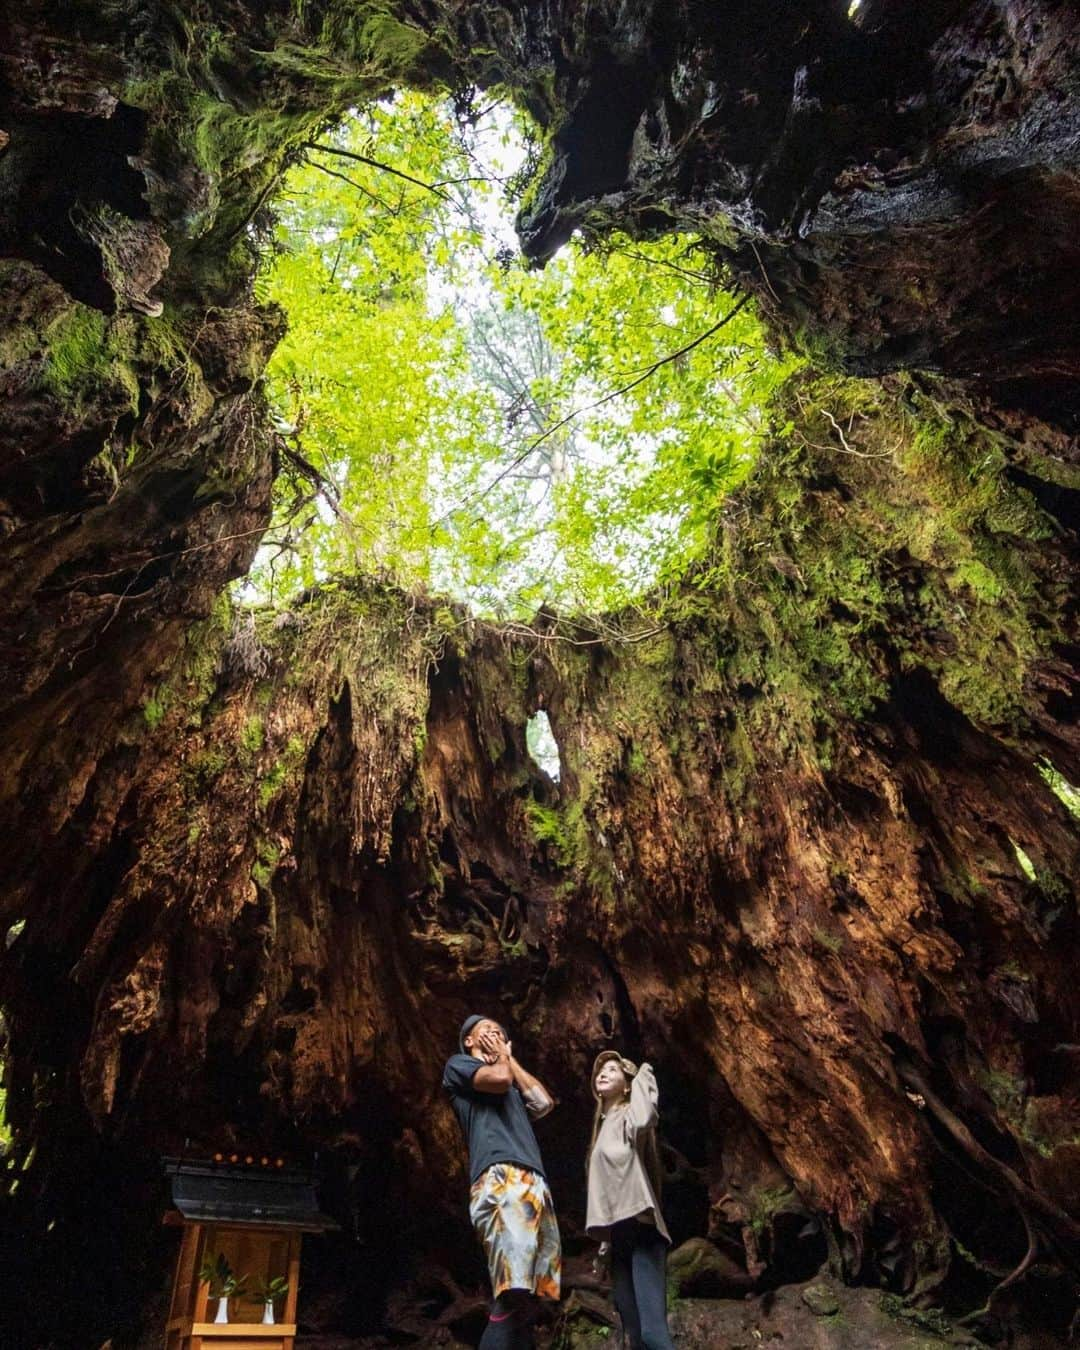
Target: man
495, 1101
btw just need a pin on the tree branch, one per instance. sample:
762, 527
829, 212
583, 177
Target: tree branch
664, 262
598, 403
352, 183
436, 188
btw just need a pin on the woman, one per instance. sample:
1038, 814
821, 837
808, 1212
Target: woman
624, 1196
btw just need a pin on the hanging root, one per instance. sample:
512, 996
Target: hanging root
1045, 1223
1030, 1203
1021, 1269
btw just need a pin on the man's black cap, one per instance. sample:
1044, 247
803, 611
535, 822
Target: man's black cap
468, 1025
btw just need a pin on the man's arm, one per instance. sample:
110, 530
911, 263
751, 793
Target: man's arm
537, 1098
495, 1078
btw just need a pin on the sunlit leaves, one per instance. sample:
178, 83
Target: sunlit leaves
457, 420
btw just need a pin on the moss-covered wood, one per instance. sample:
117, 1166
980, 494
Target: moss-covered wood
812, 845
798, 848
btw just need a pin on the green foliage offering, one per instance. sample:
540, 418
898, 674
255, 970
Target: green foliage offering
218, 1274
456, 421
267, 1291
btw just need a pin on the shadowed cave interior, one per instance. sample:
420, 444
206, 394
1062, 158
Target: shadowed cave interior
812, 844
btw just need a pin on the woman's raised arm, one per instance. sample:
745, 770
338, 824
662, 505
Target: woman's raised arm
644, 1101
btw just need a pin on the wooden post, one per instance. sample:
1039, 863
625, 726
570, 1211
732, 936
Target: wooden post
294, 1286
201, 1301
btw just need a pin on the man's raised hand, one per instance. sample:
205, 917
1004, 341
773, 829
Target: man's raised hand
494, 1046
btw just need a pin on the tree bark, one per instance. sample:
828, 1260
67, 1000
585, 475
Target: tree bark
263, 866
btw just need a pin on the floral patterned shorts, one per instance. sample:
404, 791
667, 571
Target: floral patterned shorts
514, 1219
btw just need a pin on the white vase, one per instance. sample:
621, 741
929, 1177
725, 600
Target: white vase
268, 1313
222, 1308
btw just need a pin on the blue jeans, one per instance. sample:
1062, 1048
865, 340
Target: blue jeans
638, 1268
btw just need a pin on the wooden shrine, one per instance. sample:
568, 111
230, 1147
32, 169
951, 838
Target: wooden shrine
252, 1211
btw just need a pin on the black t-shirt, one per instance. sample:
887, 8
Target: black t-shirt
496, 1125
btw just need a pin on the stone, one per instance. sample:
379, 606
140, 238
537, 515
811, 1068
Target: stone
821, 1301
699, 1269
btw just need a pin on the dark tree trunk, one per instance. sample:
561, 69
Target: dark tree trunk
804, 852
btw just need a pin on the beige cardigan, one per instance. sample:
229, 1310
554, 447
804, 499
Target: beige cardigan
619, 1186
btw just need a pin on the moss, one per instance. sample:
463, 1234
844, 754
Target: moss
202, 769
977, 578
580, 1332
253, 734
548, 827
271, 784
266, 860
397, 46
162, 348
78, 352
969, 1256
227, 142
925, 1319
382, 48
1045, 1133
155, 706
1007, 1091
636, 763
201, 660
537, 184
281, 771
1055, 888
88, 358
915, 562
765, 1203
224, 114
831, 942
5, 1127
